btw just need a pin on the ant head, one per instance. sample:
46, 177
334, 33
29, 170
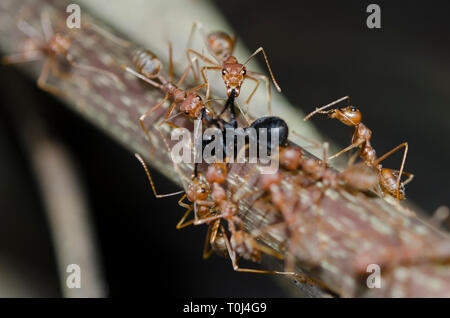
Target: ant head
192, 106
217, 173
59, 43
233, 75
267, 180
291, 157
198, 190
350, 115
220, 43
147, 63
388, 183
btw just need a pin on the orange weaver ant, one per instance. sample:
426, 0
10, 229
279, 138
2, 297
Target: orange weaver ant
389, 180
51, 46
220, 45
149, 69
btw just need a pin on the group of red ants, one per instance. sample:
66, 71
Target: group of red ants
209, 195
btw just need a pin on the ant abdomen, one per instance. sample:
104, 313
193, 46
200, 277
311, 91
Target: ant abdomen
388, 182
146, 62
220, 43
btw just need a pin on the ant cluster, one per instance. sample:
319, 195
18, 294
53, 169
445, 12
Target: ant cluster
210, 196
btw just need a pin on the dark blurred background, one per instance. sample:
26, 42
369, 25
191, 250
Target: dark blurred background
398, 76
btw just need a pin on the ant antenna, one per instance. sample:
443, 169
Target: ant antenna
321, 109
268, 66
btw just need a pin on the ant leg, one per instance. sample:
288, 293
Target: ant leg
182, 224
185, 74
321, 109
103, 32
142, 77
92, 69
263, 77
42, 81
402, 145
268, 66
158, 196
202, 57
354, 145
146, 114
205, 80
207, 251
46, 26
166, 118
236, 267
28, 56
246, 105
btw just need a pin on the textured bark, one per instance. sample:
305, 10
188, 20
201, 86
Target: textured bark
333, 243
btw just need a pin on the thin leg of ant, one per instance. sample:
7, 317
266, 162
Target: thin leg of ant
403, 145
42, 80
236, 267
46, 26
28, 56
260, 49
207, 251
30, 31
147, 113
253, 76
205, 68
142, 77
354, 145
321, 109
182, 224
198, 56
247, 102
150, 179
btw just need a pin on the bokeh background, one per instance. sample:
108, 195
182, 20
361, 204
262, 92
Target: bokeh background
398, 76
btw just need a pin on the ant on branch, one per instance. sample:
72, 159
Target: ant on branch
220, 45
390, 181
51, 46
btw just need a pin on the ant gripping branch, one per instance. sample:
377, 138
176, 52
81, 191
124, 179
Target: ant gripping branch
390, 181
220, 45
51, 46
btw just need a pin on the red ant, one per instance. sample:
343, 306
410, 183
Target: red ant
221, 47
51, 46
389, 180
149, 69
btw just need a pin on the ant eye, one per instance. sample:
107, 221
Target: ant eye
186, 112
199, 98
224, 71
244, 72
353, 109
203, 190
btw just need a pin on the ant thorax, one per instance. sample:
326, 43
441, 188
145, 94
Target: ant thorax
58, 44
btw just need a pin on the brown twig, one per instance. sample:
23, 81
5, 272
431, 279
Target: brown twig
354, 230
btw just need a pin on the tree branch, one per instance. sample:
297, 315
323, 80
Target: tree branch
346, 231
